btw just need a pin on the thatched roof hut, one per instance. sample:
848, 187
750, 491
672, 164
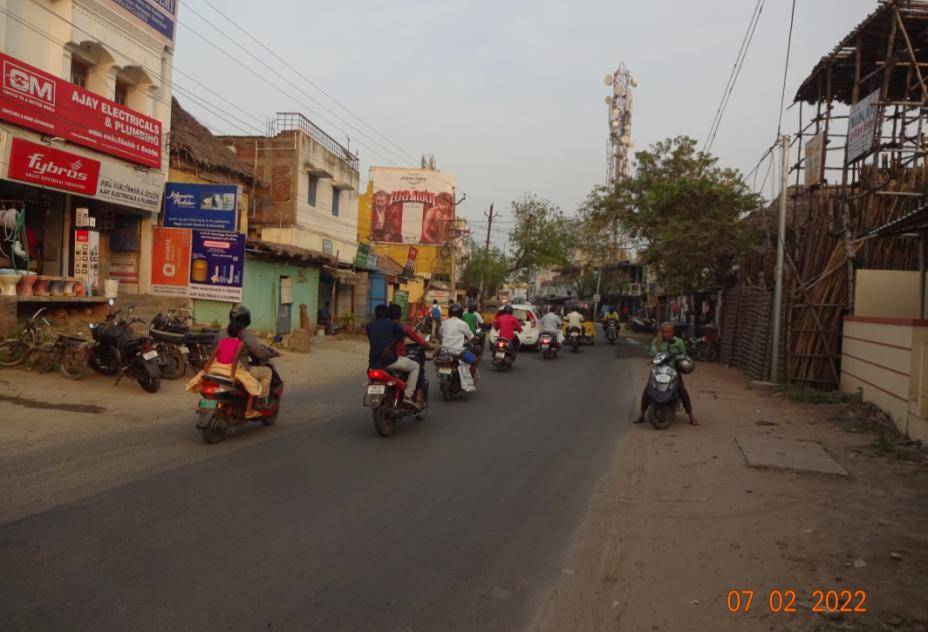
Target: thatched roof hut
193, 147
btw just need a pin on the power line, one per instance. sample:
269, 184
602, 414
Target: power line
789, 44
733, 76
304, 77
288, 82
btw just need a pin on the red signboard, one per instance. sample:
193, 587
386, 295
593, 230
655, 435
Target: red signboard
50, 167
39, 101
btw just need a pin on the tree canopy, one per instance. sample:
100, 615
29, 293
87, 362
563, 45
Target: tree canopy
491, 267
542, 236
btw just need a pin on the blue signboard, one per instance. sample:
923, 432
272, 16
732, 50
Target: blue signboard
157, 14
201, 206
217, 265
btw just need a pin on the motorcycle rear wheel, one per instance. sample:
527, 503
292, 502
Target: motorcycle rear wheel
660, 416
384, 423
708, 353
149, 382
12, 352
212, 435
447, 390
175, 363
73, 363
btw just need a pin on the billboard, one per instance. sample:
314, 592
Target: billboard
411, 206
815, 159
201, 206
36, 100
217, 265
170, 261
158, 15
861, 125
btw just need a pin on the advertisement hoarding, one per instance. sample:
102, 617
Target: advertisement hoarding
861, 126
107, 180
201, 206
815, 160
217, 265
158, 15
36, 100
170, 261
411, 206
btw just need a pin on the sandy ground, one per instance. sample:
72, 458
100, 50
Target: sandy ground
61, 440
681, 520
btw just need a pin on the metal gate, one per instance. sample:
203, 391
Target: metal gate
283, 305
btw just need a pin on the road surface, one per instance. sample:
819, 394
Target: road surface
457, 522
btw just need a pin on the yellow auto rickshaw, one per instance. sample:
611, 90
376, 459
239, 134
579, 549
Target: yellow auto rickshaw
589, 322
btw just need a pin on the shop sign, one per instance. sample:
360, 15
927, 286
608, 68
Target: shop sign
815, 160
170, 261
861, 126
409, 270
201, 206
158, 15
366, 258
109, 180
50, 167
217, 265
37, 100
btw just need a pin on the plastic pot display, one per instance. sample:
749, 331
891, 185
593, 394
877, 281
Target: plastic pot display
8, 281
24, 287
56, 288
40, 288
80, 290
67, 288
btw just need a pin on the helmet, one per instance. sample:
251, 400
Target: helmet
685, 366
241, 314
455, 310
472, 307
507, 309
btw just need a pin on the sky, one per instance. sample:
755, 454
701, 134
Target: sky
508, 95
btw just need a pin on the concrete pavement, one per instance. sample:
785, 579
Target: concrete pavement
458, 522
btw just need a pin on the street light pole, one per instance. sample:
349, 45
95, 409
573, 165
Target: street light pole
781, 245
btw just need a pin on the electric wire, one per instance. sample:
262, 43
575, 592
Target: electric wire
789, 44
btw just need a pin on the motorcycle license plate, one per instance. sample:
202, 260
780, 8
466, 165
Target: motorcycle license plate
444, 370
500, 355
376, 389
209, 403
150, 355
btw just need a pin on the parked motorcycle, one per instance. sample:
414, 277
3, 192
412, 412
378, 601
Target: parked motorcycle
223, 402
547, 342
504, 354
574, 338
705, 347
178, 345
384, 394
117, 351
612, 330
662, 388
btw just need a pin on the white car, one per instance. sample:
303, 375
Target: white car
530, 318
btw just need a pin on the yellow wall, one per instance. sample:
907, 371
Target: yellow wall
886, 293
428, 258
180, 175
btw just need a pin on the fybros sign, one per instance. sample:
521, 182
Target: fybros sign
47, 166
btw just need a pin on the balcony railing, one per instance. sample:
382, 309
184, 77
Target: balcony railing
289, 121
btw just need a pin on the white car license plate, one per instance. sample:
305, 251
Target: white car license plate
500, 354
376, 389
150, 355
444, 370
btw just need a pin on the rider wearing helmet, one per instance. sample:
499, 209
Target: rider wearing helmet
257, 352
507, 325
665, 341
472, 317
454, 335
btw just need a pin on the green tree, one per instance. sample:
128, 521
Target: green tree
686, 209
543, 236
491, 267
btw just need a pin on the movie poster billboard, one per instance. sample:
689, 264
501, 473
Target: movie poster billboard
411, 206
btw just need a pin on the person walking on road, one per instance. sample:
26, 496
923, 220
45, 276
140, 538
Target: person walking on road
436, 317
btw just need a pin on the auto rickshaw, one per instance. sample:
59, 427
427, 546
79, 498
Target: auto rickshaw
589, 322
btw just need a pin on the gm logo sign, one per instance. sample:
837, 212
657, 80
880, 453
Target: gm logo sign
31, 87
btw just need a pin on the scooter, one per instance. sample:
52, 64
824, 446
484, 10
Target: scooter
384, 394
223, 402
574, 338
662, 389
612, 330
547, 342
478, 342
118, 351
504, 354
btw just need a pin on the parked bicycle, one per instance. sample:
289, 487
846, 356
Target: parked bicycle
67, 353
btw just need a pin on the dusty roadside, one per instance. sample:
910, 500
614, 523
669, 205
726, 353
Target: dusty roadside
680, 521
63, 440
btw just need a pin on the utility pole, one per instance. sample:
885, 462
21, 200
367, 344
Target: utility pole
781, 250
486, 252
453, 243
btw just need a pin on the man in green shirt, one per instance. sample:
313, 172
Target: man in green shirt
472, 318
665, 341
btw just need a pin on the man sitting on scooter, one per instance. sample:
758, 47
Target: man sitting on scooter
551, 324
396, 314
454, 334
575, 320
257, 352
666, 342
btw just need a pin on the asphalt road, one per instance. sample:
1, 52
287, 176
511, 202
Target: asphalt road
457, 522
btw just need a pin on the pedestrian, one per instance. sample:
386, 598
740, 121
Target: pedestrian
436, 317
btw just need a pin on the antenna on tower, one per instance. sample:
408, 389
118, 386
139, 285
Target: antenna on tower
620, 122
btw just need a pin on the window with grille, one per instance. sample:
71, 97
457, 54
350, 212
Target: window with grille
336, 198
79, 72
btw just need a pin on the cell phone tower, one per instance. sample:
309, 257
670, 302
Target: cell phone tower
620, 121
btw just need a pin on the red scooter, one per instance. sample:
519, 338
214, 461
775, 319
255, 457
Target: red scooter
223, 402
